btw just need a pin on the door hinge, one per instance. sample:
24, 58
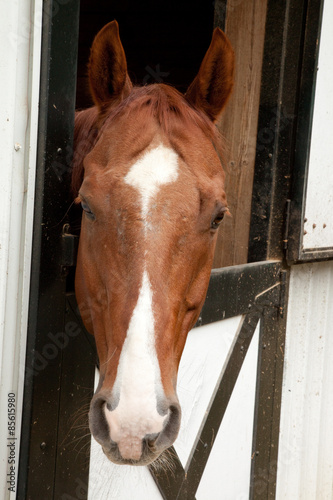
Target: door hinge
70, 244
286, 225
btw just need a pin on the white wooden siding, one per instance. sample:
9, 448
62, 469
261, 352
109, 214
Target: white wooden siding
20, 38
305, 464
319, 199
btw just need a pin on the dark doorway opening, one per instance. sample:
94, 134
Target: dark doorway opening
164, 41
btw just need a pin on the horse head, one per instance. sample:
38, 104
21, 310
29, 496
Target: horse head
148, 174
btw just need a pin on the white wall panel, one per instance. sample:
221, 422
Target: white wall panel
20, 38
305, 464
228, 470
205, 354
319, 197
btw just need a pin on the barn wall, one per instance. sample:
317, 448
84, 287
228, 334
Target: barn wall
20, 36
305, 465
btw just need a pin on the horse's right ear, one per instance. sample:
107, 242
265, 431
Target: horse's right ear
107, 68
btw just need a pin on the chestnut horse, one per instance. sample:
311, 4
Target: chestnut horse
147, 172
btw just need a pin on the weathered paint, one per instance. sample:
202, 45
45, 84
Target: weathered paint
20, 35
305, 464
318, 224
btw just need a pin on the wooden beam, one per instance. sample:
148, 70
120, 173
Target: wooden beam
245, 26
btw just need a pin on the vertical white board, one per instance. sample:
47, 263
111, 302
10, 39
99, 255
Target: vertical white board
228, 470
205, 354
20, 42
305, 460
318, 223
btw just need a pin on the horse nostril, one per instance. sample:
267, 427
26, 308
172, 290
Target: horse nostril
150, 441
170, 431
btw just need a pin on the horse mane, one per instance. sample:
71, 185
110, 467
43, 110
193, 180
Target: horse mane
158, 101
85, 138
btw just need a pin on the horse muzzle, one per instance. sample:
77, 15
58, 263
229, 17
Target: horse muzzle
136, 437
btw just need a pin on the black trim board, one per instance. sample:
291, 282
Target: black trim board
238, 290
40, 419
276, 127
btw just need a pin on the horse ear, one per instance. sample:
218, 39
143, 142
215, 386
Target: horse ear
211, 88
107, 67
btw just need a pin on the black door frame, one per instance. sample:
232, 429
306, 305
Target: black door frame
48, 388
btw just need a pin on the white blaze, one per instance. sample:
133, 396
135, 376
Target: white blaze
156, 167
138, 382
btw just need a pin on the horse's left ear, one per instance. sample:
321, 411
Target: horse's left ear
107, 68
211, 88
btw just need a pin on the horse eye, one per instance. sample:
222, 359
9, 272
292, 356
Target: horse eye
87, 210
217, 221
